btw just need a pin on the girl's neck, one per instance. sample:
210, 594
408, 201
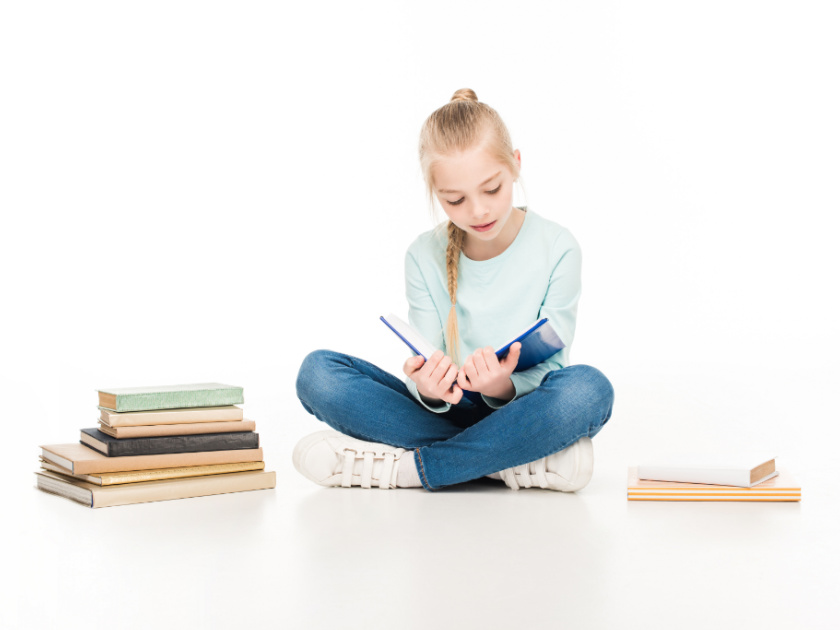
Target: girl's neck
479, 250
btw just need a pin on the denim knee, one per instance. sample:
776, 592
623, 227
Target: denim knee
314, 375
585, 392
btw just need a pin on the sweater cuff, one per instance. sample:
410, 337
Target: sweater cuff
412, 387
498, 403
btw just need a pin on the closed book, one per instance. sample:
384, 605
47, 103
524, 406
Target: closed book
106, 496
135, 476
82, 460
743, 470
177, 429
170, 397
113, 447
227, 413
782, 487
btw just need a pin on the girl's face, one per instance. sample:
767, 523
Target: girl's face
476, 192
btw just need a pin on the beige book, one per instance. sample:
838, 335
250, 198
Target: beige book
177, 429
125, 494
81, 460
230, 413
782, 487
135, 476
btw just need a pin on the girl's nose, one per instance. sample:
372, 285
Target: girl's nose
480, 213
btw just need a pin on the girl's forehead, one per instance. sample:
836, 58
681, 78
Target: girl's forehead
466, 169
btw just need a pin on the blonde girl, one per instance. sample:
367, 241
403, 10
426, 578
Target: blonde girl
472, 283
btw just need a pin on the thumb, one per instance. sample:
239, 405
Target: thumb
512, 357
413, 364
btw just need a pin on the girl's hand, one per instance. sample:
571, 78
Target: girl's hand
482, 372
435, 378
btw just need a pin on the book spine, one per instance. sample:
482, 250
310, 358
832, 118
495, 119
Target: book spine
178, 429
168, 489
103, 464
183, 444
179, 400
137, 476
170, 416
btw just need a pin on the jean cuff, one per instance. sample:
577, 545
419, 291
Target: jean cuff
418, 461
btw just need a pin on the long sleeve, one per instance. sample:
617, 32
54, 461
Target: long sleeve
560, 307
538, 275
424, 317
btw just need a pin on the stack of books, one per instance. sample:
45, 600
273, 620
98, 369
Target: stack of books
159, 443
712, 478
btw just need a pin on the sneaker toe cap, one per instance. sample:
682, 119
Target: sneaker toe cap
315, 458
573, 466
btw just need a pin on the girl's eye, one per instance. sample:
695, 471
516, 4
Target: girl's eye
489, 192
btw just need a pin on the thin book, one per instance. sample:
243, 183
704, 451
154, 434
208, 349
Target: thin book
782, 487
170, 397
158, 445
96, 496
229, 413
742, 469
82, 460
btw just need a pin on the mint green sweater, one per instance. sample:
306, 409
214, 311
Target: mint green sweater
537, 276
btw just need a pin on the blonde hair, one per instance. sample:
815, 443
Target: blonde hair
462, 124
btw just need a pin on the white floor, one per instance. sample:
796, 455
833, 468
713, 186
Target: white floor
475, 556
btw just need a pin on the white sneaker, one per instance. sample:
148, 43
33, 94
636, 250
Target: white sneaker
567, 470
330, 458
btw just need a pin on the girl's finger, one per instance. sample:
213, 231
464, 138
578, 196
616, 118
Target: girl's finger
450, 377
469, 369
455, 396
429, 366
490, 358
413, 364
463, 382
439, 372
480, 362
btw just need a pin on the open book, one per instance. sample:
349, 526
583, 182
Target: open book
539, 341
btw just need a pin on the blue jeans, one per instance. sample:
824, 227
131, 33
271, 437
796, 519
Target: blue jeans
470, 440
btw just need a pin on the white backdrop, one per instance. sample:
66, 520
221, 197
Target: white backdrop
206, 191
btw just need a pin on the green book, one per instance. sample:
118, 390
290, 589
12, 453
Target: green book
170, 397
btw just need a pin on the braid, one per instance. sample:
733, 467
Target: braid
453, 253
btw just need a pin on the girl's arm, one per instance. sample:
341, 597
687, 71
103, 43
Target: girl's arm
560, 306
423, 316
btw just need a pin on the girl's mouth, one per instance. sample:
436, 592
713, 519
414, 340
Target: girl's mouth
483, 228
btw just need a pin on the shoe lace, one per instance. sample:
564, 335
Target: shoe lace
526, 476
387, 473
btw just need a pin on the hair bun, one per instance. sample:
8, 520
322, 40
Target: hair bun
464, 94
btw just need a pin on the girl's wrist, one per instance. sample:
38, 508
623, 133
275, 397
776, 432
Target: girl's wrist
505, 393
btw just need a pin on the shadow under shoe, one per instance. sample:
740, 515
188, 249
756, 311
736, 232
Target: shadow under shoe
567, 470
332, 459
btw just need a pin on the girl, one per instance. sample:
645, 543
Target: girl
481, 277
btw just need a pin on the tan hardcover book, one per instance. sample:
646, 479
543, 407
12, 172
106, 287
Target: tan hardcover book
230, 413
81, 460
135, 476
178, 429
782, 487
125, 494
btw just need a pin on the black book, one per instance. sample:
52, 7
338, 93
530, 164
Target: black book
113, 447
